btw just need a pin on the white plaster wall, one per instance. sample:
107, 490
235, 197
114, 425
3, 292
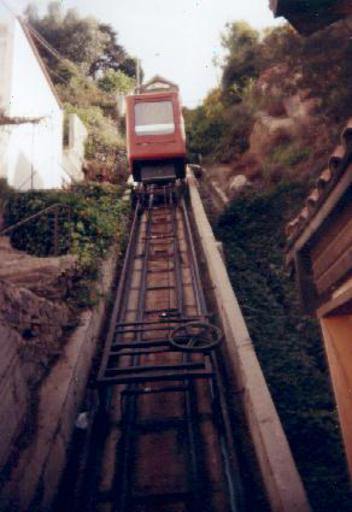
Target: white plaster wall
31, 152
73, 158
5, 57
5, 80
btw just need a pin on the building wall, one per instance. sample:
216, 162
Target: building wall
337, 338
5, 80
73, 158
5, 57
30, 150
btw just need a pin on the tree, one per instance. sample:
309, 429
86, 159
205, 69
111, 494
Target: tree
280, 44
116, 81
241, 63
113, 55
129, 67
92, 45
203, 133
213, 104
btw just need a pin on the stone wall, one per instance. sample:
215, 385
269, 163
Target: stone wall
32, 478
14, 392
33, 324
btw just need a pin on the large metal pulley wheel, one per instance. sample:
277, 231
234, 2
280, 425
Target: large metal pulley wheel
196, 337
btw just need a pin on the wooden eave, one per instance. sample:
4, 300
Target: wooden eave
309, 16
341, 305
330, 201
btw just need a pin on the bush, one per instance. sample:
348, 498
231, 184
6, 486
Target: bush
98, 217
116, 82
103, 136
216, 132
237, 127
289, 155
98, 111
6, 193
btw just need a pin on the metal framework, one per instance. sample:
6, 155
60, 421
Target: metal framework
158, 384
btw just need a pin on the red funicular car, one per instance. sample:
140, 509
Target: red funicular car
155, 133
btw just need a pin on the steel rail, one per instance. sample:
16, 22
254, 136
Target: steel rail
131, 404
217, 389
181, 261
123, 476
177, 265
197, 476
125, 277
197, 280
87, 489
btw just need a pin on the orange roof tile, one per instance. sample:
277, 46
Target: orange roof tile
324, 184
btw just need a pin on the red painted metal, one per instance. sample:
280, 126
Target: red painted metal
154, 148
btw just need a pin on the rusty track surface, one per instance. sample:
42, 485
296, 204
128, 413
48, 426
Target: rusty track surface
166, 442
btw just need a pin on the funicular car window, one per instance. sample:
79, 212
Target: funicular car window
154, 118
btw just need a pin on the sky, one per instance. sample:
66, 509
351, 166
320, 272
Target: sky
177, 39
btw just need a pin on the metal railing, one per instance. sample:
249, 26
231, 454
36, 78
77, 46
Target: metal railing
54, 209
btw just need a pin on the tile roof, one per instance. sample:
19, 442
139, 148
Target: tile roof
337, 165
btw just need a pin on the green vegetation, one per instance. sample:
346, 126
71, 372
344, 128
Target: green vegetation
6, 193
289, 155
282, 101
203, 134
276, 116
213, 134
287, 342
103, 136
98, 216
280, 163
275, 75
116, 81
241, 43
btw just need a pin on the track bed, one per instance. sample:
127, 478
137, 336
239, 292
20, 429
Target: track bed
165, 442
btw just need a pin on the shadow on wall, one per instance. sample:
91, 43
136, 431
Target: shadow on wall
4, 143
26, 176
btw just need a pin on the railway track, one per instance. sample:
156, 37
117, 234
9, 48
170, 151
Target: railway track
164, 441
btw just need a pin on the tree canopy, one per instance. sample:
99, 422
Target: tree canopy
240, 41
85, 41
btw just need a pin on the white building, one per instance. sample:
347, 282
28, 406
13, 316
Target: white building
31, 115
73, 156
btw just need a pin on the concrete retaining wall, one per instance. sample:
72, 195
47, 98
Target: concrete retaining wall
34, 480
281, 479
14, 393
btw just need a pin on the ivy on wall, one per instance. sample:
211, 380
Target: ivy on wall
288, 343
